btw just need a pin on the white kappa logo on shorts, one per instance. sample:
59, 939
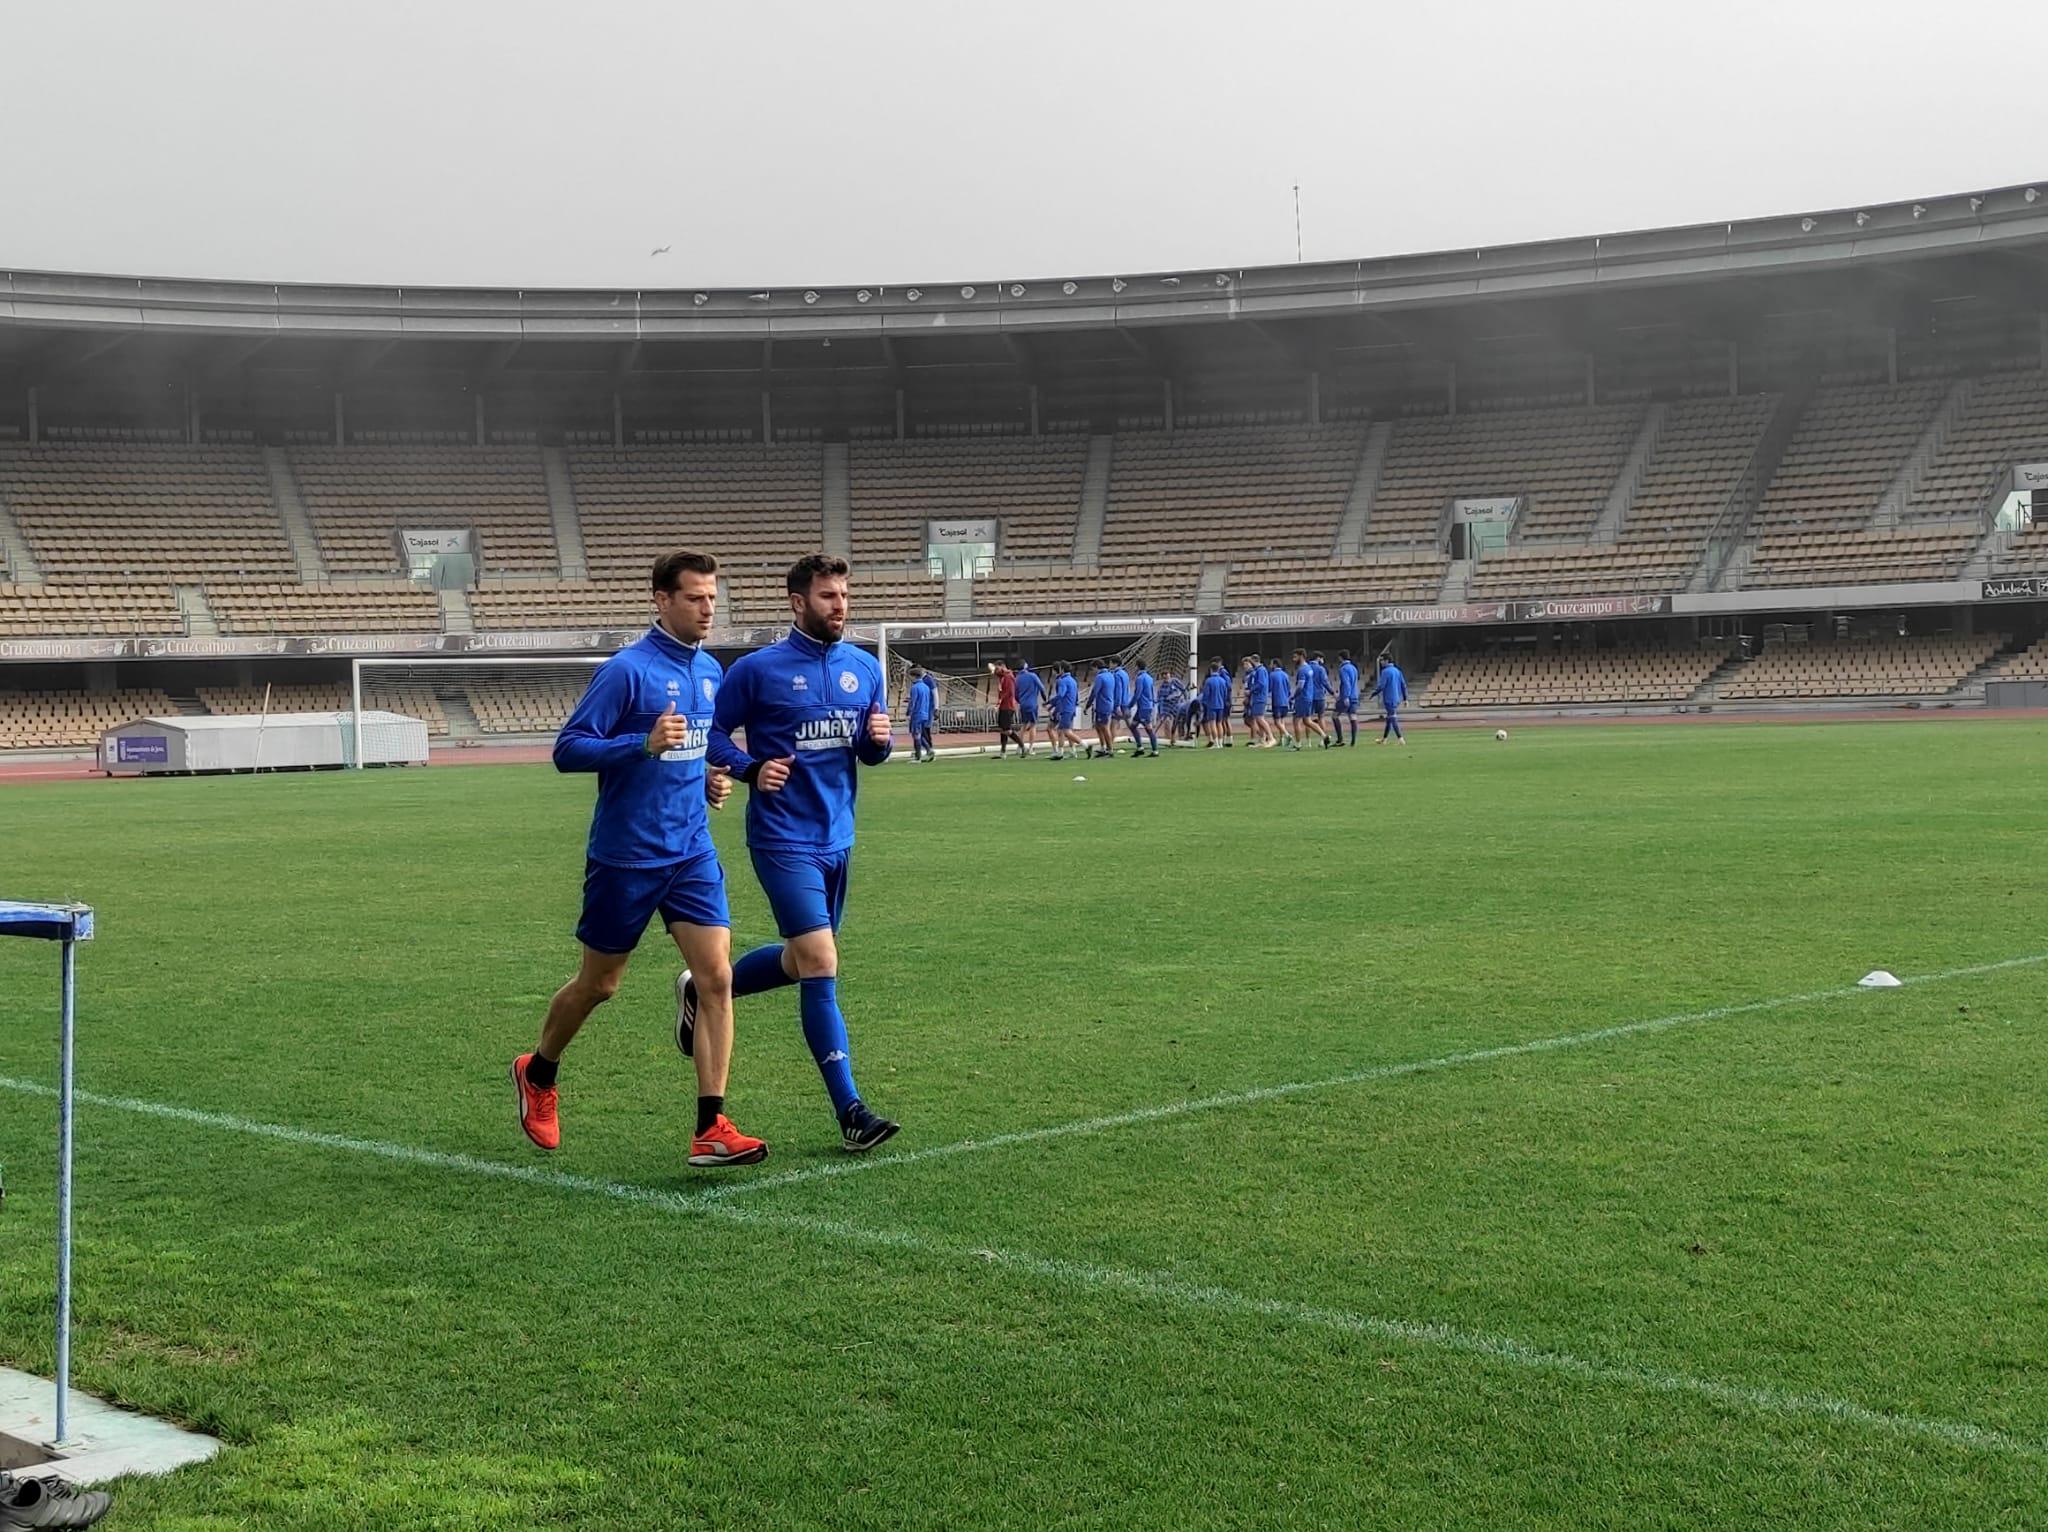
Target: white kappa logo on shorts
847, 682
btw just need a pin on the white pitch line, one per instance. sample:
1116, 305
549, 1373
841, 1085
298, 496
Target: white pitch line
1149, 1114
1148, 1286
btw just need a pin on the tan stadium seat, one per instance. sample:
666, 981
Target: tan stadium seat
1030, 485
1570, 679
1229, 492
1873, 667
361, 497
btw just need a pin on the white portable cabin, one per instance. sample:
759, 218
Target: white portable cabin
250, 742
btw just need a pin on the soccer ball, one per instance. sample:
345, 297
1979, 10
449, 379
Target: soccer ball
1500, 734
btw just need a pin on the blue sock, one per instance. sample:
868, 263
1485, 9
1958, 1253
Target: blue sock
758, 970
825, 1031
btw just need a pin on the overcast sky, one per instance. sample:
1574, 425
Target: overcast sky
523, 144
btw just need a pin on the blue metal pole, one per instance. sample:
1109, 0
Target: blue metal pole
64, 1108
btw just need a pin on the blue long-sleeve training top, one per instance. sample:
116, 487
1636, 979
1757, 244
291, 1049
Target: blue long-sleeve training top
1216, 694
1066, 693
1255, 686
1030, 687
1102, 694
1393, 687
650, 809
1277, 688
922, 700
811, 701
1123, 686
1147, 691
1347, 684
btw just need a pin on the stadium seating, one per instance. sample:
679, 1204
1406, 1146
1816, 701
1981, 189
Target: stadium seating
277, 607
1571, 678
2004, 420
1917, 551
1847, 447
880, 594
60, 719
2030, 664
115, 608
526, 708
607, 604
742, 502
1565, 461
1335, 581
1116, 588
170, 514
1031, 485
1874, 667
1228, 493
361, 497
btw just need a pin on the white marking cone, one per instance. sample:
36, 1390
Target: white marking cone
1880, 978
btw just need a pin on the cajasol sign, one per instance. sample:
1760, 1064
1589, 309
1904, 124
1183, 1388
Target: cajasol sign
445, 540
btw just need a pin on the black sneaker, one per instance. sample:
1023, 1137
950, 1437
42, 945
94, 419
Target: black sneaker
860, 1130
49, 1503
686, 1012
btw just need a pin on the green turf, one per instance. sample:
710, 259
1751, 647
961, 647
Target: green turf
1658, 1261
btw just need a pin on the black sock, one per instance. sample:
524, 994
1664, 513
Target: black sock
540, 1071
708, 1108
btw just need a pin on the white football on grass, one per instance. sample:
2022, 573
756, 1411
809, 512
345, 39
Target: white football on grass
1500, 733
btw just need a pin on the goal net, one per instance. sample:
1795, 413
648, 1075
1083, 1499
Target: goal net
967, 692
466, 702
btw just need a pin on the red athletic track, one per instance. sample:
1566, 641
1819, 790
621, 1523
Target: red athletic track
14, 773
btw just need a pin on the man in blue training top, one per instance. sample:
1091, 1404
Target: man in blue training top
811, 707
1280, 697
643, 726
1255, 722
923, 706
1144, 705
1125, 690
1347, 698
1216, 705
1102, 711
1319, 675
1173, 707
1393, 690
1030, 693
1066, 707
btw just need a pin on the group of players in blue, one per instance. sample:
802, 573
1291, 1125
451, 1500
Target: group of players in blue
658, 725
1278, 710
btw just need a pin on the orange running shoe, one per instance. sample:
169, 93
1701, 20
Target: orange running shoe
536, 1107
723, 1144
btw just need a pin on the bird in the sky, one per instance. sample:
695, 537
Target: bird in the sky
660, 250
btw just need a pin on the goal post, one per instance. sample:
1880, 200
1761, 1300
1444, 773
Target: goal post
959, 654
464, 701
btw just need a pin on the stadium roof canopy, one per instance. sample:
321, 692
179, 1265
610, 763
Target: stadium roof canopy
1901, 268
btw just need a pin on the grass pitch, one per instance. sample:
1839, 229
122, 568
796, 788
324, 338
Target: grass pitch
1774, 1265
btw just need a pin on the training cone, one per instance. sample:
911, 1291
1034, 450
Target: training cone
1882, 978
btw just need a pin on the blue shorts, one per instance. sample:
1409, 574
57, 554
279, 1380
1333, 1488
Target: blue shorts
1258, 711
619, 901
1027, 717
805, 889
1345, 706
1064, 719
1143, 715
1103, 717
1301, 710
